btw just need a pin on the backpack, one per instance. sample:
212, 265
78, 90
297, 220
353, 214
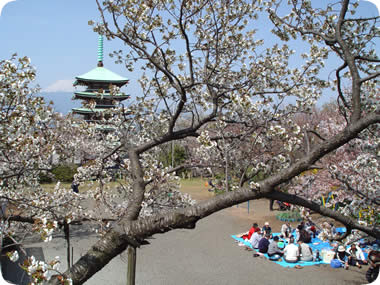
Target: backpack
335, 263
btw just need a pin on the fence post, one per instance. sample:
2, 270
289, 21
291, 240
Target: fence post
131, 271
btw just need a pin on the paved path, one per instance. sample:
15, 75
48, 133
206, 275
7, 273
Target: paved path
205, 255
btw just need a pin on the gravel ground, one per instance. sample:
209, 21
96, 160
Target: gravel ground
206, 255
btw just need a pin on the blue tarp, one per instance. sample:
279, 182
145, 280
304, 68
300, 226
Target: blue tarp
316, 244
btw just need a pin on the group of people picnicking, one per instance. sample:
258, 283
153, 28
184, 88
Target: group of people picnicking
297, 246
353, 256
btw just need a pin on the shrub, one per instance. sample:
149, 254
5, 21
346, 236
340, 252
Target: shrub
289, 216
46, 178
63, 173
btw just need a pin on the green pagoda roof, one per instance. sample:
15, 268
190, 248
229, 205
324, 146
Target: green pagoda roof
88, 111
100, 74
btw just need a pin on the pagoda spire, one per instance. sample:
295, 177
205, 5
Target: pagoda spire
100, 51
98, 80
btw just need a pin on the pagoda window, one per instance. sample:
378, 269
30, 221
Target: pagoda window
104, 102
96, 86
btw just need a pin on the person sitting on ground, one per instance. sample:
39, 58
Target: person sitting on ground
306, 253
342, 256
303, 235
254, 228
303, 226
312, 231
311, 228
274, 252
325, 233
298, 229
356, 257
264, 243
286, 230
266, 229
306, 236
255, 238
291, 252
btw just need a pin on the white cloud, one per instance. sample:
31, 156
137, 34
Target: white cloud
3, 3
65, 85
377, 4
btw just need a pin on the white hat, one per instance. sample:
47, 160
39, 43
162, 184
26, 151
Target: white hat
341, 248
266, 223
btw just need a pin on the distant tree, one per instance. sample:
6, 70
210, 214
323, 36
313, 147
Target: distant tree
173, 155
349, 173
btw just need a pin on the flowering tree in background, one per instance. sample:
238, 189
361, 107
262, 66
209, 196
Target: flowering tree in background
203, 64
349, 174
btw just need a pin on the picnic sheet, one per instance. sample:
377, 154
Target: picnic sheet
316, 244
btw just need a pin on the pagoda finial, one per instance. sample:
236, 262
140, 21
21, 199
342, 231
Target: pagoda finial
100, 51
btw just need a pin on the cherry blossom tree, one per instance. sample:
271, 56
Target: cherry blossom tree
201, 60
349, 173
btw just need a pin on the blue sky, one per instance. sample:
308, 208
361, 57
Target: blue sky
56, 36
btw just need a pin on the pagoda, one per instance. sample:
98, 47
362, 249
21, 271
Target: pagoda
98, 82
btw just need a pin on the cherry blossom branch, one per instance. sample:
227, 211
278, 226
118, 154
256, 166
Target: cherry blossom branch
372, 76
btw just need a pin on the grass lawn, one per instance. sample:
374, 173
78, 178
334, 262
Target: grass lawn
196, 187
194, 183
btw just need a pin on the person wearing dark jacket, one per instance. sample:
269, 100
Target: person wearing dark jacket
342, 256
264, 244
266, 229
